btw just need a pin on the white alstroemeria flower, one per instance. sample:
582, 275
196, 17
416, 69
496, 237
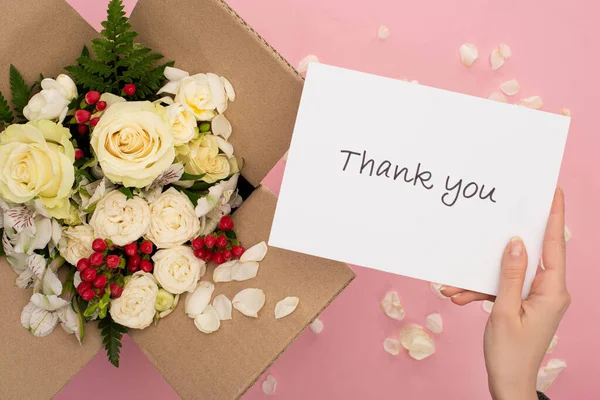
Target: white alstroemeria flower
52, 102
228, 200
48, 302
217, 195
171, 175
38, 321
93, 192
71, 322
33, 271
26, 229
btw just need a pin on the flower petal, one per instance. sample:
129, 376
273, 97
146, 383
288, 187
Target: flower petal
285, 307
242, 271
225, 146
175, 74
422, 347
468, 54
408, 333
510, 88
221, 127
534, 102
208, 321
228, 89
255, 253
567, 234
49, 303
269, 385
303, 64
249, 302
505, 50
316, 326
383, 32
566, 112
487, 306
223, 272
547, 375
434, 323
223, 307
497, 96
196, 303
552, 345
392, 346
391, 306
496, 59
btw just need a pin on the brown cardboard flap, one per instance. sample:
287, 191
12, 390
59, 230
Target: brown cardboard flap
224, 364
208, 36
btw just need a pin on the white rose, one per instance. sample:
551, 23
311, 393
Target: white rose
177, 270
121, 220
173, 220
52, 101
133, 143
76, 243
205, 94
182, 122
135, 307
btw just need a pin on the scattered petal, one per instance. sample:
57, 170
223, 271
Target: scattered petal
505, 50
566, 112
497, 96
303, 64
434, 323
496, 59
510, 88
316, 326
418, 343
286, 306
392, 346
547, 375
208, 321
249, 302
228, 89
242, 271
391, 306
223, 272
435, 288
567, 234
221, 127
255, 253
383, 32
534, 102
468, 54
487, 306
223, 307
553, 344
196, 303
269, 385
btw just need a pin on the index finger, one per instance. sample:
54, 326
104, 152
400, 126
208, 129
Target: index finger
554, 248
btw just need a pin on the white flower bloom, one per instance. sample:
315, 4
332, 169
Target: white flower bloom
135, 308
120, 219
218, 195
177, 269
172, 220
26, 229
71, 322
38, 321
52, 102
182, 122
76, 243
48, 302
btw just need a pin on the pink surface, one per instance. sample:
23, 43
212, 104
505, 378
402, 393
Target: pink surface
555, 55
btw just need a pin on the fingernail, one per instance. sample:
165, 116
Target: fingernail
442, 287
516, 247
456, 295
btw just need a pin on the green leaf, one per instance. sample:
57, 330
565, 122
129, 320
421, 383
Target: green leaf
190, 177
2, 252
193, 196
91, 308
6, 114
127, 192
69, 286
111, 338
19, 90
231, 235
85, 52
77, 309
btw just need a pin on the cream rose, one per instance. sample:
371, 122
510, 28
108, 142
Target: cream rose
133, 143
121, 220
76, 243
203, 157
135, 308
177, 270
182, 122
173, 220
36, 160
205, 94
52, 102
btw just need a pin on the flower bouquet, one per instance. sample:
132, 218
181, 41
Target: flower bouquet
125, 181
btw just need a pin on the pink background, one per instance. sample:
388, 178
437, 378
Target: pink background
555, 55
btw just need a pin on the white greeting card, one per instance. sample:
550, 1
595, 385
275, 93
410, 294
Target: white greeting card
415, 180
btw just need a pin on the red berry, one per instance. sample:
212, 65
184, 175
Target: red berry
210, 241
100, 281
115, 290
88, 274
88, 294
82, 129
226, 223
131, 249
134, 260
82, 116
146, 266
83, 264
113, 261
99, 245
129, 89
83, 286
79, 154
221, 242
146, 247
208, 256
100, 292
200, 253
101, 106
227, 255
197, 243
94, 121
218, 257
237, 251
132, 267
96, 259
92, 97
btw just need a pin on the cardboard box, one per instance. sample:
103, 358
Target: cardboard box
201, 36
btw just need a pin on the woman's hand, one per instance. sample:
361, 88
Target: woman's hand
518, 332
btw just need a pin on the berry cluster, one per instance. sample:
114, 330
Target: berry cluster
137, 261
219, 246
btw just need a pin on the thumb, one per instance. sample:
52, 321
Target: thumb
512, 276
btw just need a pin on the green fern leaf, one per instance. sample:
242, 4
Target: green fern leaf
6, 115
19, 90
111, 338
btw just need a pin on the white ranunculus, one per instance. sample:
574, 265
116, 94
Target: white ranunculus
135, 308
173, 220
133, 143
205, 94
120, 219
177, 270
52, 102
76, 243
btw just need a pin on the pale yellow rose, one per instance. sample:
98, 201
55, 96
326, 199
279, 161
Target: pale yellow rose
36, 160
182, 122
202, 156
76, 243
133, 143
